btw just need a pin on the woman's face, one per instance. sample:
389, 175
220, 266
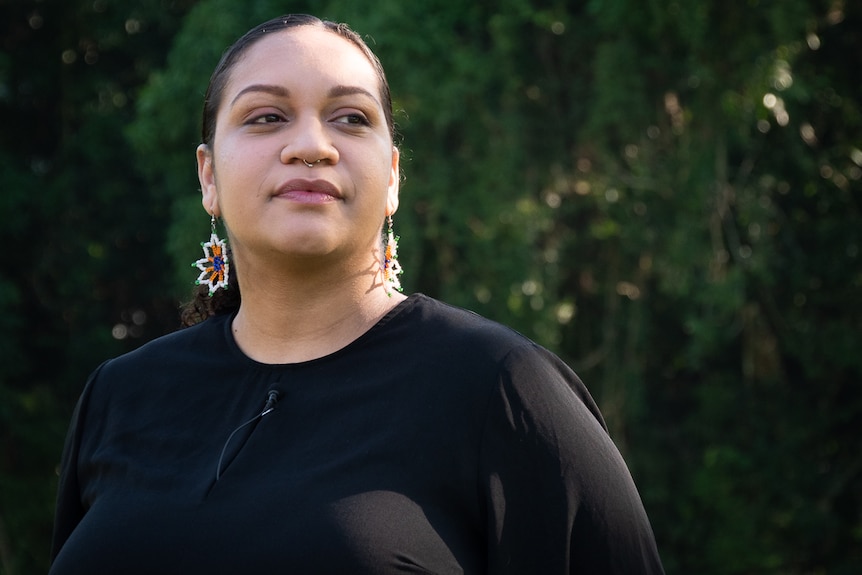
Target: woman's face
302, 94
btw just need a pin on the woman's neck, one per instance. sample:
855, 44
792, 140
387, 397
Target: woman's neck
289, 318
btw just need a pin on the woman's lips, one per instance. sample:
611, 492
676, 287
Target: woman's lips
309, 191
307, 196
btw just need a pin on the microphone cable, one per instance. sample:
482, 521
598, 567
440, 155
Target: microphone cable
272, 397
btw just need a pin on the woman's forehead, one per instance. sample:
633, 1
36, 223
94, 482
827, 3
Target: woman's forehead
301, 56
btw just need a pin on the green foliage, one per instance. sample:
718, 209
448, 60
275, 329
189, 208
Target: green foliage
665, 193
79, 231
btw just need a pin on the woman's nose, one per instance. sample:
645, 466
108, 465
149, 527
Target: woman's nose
308, 141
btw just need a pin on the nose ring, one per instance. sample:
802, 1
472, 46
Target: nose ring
309, 164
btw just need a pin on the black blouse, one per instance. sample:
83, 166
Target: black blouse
437, 442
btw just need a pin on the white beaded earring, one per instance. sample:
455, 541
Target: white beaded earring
391, 267
214, 265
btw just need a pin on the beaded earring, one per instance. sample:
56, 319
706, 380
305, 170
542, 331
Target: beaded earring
391, 267
214, 265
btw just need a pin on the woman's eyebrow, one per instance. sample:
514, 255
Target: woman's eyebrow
273, 89
342, 90
281, 91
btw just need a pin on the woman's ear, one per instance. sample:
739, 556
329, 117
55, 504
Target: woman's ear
394, 183
206, 177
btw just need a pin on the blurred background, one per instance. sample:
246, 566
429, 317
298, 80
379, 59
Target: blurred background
665, 193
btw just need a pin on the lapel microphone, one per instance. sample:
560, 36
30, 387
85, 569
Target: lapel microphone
271, 399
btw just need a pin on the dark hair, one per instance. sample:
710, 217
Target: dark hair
202, 304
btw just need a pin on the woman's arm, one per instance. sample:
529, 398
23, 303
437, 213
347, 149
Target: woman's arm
559, 497
69, 508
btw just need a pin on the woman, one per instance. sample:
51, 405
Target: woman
323, 422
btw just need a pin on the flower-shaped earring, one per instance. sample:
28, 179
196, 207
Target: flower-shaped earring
391, 267
214, 265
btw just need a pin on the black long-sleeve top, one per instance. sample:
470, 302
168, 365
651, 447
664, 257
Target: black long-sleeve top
437, 442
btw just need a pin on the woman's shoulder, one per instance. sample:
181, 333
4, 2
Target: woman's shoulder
461, 331
175, 365
204, 338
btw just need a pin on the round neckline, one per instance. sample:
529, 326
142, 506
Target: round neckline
397, 310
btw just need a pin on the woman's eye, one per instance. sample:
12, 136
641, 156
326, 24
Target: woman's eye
353, 120
266, 119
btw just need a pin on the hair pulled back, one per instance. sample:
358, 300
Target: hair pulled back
228, 300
